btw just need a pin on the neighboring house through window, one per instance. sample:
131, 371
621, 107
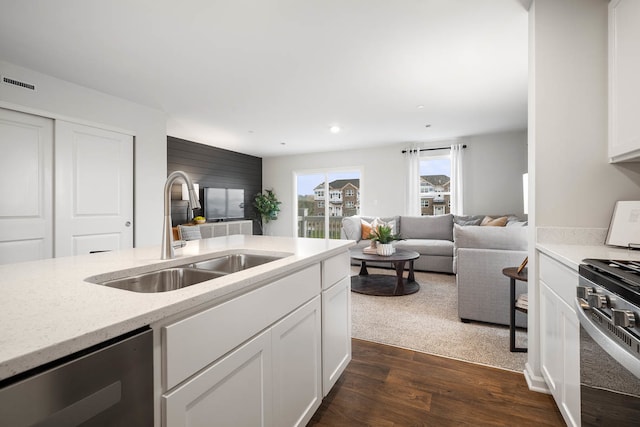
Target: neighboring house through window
317, 213
435, 184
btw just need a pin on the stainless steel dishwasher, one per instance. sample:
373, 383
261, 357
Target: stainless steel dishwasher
110, 384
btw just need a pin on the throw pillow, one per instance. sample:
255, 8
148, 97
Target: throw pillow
189, 232
468, 219
366, 229
352, 228
495, 222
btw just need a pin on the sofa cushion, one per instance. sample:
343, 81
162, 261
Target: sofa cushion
506, 238
438, 227
427, 246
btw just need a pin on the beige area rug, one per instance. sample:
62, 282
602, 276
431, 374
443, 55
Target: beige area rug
427, 321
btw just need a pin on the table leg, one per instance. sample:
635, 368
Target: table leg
411, 277
512, 319
400, 285
363, 269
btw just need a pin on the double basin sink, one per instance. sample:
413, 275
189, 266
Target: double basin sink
172, 278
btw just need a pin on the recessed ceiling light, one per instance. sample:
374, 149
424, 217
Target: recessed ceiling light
334, 129
420, 107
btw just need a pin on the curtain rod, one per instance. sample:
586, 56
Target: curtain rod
432, 149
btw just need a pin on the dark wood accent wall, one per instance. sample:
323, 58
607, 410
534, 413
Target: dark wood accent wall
212, 167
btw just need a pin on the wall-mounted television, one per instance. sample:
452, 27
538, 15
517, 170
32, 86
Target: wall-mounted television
223, 203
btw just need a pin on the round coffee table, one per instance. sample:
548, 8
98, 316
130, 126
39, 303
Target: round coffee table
384, 284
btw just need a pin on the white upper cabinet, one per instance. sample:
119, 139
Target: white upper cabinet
624, 80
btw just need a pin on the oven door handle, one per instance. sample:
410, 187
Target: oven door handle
615, 350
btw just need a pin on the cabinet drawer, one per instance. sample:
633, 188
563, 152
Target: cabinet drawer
562, 280
335, 269
195, 342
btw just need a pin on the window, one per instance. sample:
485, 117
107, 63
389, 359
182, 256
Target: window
314, 215
435, 183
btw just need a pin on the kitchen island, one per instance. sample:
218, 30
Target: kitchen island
49, 310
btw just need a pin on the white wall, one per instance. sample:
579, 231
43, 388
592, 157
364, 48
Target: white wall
571, 183
59, 99
493, 169
381, 177
494, 165
575, 185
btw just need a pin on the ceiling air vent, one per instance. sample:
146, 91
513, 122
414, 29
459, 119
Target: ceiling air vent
14, 82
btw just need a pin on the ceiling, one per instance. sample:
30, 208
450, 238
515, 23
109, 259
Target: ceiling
270, 77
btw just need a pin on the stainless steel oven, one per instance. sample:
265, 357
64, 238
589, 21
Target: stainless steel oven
608, 306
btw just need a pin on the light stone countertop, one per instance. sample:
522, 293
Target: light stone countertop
48, 310
572, 255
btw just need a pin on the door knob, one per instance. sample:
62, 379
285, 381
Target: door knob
127, 224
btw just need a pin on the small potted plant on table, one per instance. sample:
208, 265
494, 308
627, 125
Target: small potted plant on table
383, 236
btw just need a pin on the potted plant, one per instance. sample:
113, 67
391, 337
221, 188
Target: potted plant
267, 206
384, 236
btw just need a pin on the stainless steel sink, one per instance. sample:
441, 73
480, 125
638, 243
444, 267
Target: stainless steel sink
232, 263
164, 280
169, 279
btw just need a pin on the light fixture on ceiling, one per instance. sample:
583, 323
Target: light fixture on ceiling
334, 129
420, 107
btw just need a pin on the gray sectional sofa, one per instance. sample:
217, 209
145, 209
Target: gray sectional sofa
430, 236
459, 245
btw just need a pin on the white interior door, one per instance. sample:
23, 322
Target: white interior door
93, 188
26, 225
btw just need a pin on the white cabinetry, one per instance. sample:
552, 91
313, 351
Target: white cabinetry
259, 358
336, 319
235, 391
560, 337
297, 366
624, 80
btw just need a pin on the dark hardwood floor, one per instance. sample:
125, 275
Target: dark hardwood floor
390, 386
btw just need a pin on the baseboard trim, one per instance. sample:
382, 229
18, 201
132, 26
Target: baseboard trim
535, 382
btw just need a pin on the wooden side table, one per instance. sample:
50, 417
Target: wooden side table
512, 274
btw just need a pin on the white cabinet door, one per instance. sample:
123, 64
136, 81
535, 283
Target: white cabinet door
551, 359
560, 337
26, 187
235, 391
297, 365
94, 189
624, 79
336, 332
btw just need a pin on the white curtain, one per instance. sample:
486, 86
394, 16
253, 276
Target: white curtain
457, 156
412, 186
